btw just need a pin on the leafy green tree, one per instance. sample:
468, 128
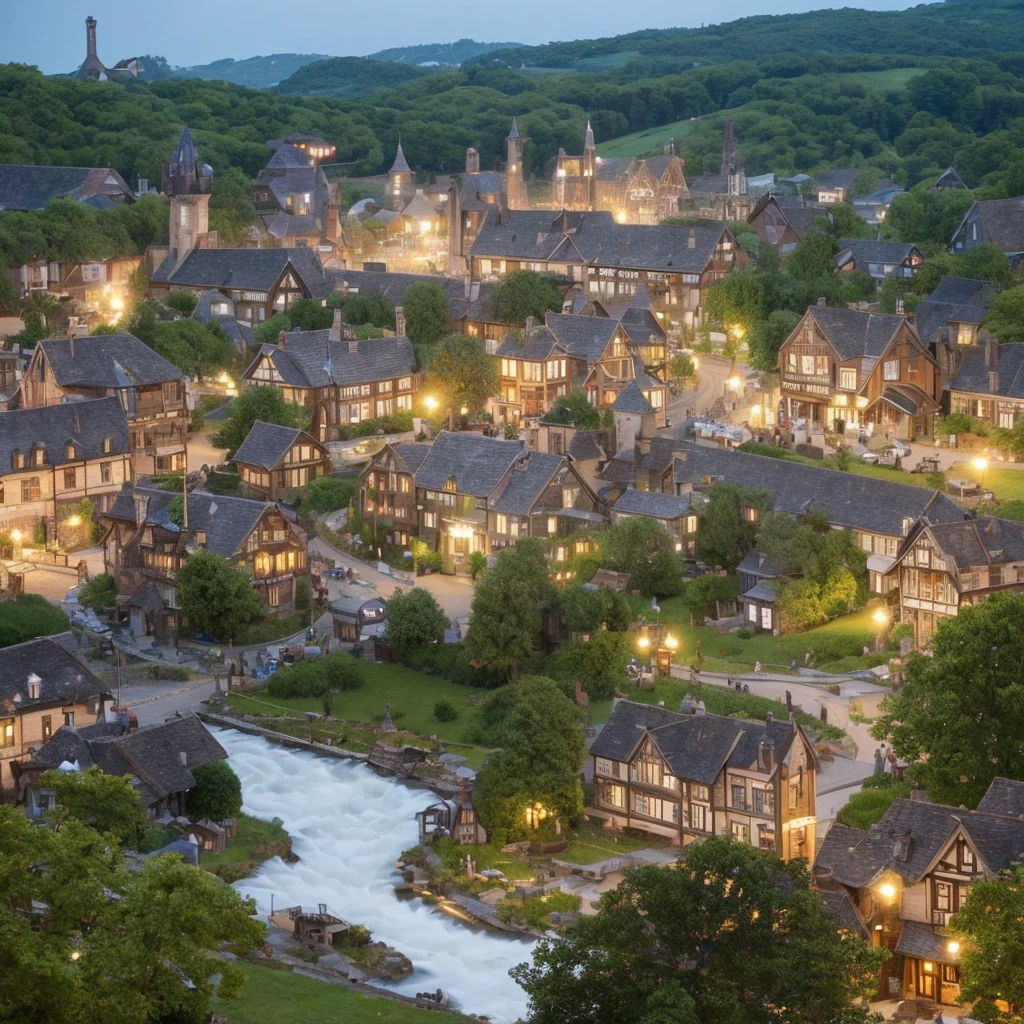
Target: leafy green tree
328, 493
737, 300
505, 617
313, 677
29, 616
597, 664
107, 803
9, 303
214, 598
522, 294
644, 550
414, 618
767, 336
585, 611
539, 760
261, 402
681, 367
194, 348
960, 711
461, 374
310, 315
733, 934
267, 332
847, 223
99, 593
726, 531
992, 946
574, 408
798, 605
426, 312
1005, 319
921, 216
217, 793
183, 302
813, 258
365, 308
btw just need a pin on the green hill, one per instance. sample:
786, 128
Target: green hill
444, 54
350, 76
254, 72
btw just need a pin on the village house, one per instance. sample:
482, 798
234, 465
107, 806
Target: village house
997, 222
534, 369
340, 380
688, 775
676, 265
145, 546
455, 817
835, 186
911, 872
846, 369
671, 512
475, 493
158, 759
951, 318
388, 487
92, 68
784, 222
636, 191
12, 364
355, 616
54, 458
101, 285
988, 383
943, 566
43, 686
758, 592
318, 148
469, 200
726, 195
588, 449
874, 207
879, 259
150, 389
880, 513
274, 462
31, 187
214, 307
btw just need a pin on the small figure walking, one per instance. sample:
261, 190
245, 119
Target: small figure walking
757, 668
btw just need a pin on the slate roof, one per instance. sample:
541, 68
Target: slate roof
864, 251
696, 747
390, 284
1004, 222
922, 941
961, 291
652, 503
411, 453
533, 234
756, 564
305, 359
153, 754
845, 499
540, 345
31, 187
245, 269
285, 225
982, 541
526, 482
855, 334
841, 907
476, 462
588, 444
228, 521
1004, 796
854, 857
83, 424
266, 444
106, 361
586, 336
400, 164
65, 679
836, 179
973, 373
631, 400
612, 168
948, 179
204, 306
765, 591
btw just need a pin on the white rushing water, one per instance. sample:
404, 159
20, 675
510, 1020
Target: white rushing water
348, 826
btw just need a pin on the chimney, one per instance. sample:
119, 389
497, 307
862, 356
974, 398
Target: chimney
90, 36
821, 300
529, 327
400, 321
34, 686
993, 382
992, 353
691, 242
765, 754
282, 341
353, 346
334, 334
472, 161
333, 221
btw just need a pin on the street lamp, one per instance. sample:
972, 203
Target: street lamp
953, 947
431, 403
981, 465
881, 616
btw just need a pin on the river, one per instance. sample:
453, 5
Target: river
348, 826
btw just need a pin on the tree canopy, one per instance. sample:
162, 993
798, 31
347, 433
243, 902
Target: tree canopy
574, 408
522, 294
29, 616
962, 707
257, 402
728, 523
643, 549
426, 312
413, 618
107, 803
461, 374
217, 794
732, 934
214, 598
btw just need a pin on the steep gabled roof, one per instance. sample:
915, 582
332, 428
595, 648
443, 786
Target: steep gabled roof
855, 334
862, 251
266, 444
31, 187
977, 542
948, 179
1004, 222
652, 503
586, 336
245, 269
106, 361
973, 372
836, 179
64, 679
540, 345
401, 164
311, 360
631, 400
477, 463
526, 481
1004, 796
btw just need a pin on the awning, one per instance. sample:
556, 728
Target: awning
923, 942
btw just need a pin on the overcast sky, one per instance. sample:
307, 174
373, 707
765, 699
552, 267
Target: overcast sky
190, 32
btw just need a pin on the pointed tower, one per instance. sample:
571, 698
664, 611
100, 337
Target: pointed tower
590, 167
92, 67
187, 184
516, 187
401, 187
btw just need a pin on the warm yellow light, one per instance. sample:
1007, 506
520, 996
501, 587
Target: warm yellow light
928, 967
953, 946
75, 955
643, 643
733, 382
840, 399
671, 642
117, 302
756, 410
464, 411
74, 520
621, 216
224, 378
15, 535
862, 402
561, 172
981, 464
881, 617
695, 361
425, 226
888, 890
430, 402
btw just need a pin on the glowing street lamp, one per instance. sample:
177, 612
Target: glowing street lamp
881, 616
953, 947
887, 891
74, 521
431, 403
981, 465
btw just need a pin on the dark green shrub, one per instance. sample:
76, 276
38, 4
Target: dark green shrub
445, 711
312, 676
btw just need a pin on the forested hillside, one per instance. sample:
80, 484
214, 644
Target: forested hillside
350, 76
254, 72
445, 54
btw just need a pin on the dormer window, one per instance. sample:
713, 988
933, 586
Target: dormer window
17, 460
450, 484
200, 538
901, 846
39, 456
108, 445
70, 452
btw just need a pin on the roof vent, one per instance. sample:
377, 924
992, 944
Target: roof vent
183, 757
34, 686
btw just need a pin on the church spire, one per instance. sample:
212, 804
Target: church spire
588, 139
400, 163
514, 133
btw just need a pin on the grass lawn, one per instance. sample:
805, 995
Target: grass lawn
893, 80
486, 855
254, 842
593, 844
649, 140
286, 998
1005, 484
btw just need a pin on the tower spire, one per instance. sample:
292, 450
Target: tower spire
588, 139
514, 133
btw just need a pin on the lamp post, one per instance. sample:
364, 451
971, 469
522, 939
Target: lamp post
881, 618
643, 644
666, 653
981, 465
433, 405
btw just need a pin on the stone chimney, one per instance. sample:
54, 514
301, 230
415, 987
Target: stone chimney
90, 36
353, 346
822, 301
993, 382
472, 161
400, 321
282, 340
992, 353
691, 242
529, 328
334, 334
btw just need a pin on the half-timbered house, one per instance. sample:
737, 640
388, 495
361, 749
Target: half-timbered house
688, 775
783, 222
274, 462
388, 488
879, 259
988, 383
844, 368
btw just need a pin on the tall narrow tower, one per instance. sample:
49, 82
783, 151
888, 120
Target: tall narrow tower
516, 187
92, 67
401, 187
187, 185
590, 167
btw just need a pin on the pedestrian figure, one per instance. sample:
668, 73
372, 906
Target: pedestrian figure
789, 701
757, 668
879, 761
792, 665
